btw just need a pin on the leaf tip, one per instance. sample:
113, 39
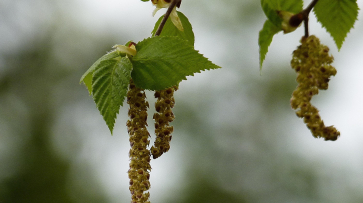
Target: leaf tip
111, 130
261, 62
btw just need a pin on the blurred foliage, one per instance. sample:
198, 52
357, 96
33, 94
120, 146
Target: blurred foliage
42, 170
30, 98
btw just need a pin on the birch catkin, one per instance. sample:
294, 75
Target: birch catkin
312, 63
163, 116
139, 172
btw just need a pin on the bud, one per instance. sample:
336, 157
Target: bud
173, 15
129, 50
290, 21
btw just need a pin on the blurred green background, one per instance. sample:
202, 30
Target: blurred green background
236, 138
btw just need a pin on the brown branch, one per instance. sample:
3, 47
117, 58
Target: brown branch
166, 16
306, 25
306, 13
310, 7
296, 19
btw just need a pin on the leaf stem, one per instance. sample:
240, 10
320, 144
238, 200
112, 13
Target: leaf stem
306, 13
166, 16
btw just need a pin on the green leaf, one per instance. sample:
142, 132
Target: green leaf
274, 23
270, 7
170, 29
337, 16
163, 62
87, 76
265, 38
109, 82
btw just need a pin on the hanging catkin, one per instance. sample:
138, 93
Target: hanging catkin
312, 64
163, 116
139, 172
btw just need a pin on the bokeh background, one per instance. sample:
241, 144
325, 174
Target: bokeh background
236, 138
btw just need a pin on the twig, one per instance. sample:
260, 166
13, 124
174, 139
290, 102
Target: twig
306, 13
310, 7
166, 16
306, 25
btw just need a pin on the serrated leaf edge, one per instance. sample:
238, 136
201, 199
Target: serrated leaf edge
339, 44
89, 73
187, 46
273, 33
109, 103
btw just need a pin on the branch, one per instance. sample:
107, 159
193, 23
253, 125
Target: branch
310, 7
306, 13
296, 19
306, 25
166, 16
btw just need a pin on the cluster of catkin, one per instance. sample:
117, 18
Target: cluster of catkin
139, 172
163, 116
312, 63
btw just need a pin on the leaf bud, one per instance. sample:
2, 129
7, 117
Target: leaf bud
290, 21
129, 50
173, 15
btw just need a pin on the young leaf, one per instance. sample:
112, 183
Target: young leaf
270, 8
170, 29
274, 23
337, 16
163, 62
87, 76
109, 83
265, 38
271, 13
